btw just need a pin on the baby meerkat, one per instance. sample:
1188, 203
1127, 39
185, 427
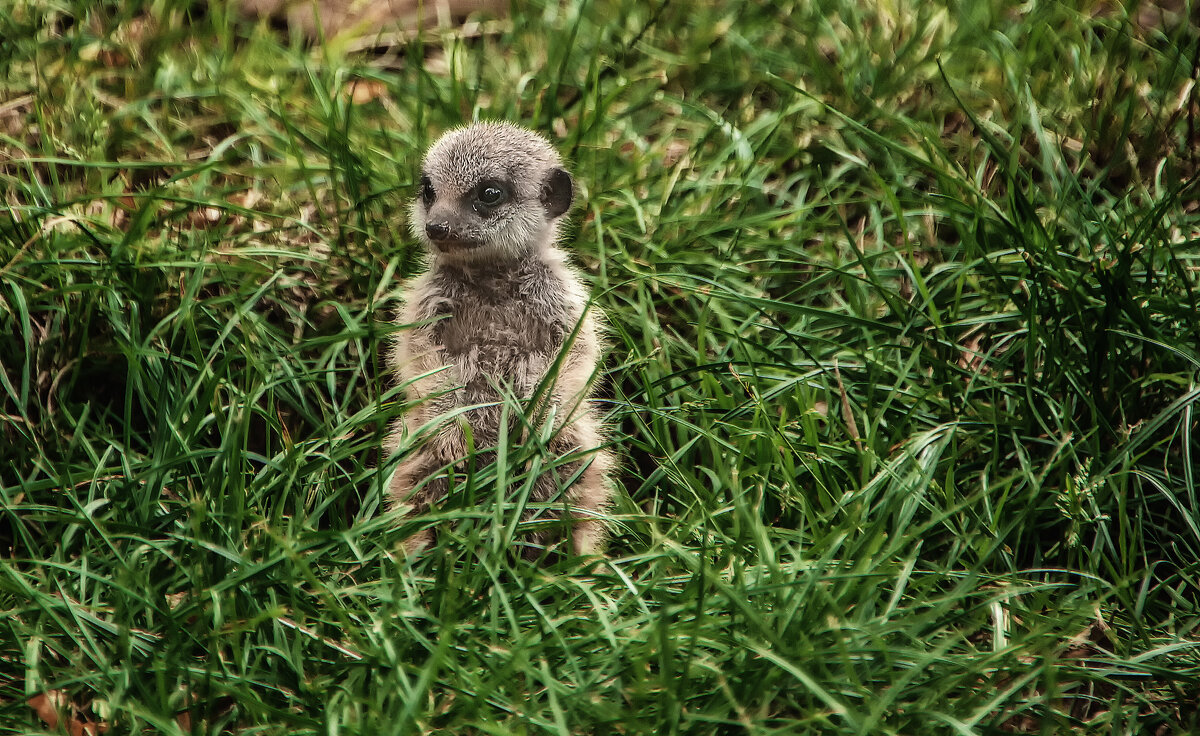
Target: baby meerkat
492, 316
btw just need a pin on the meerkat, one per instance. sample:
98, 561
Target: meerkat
498, 310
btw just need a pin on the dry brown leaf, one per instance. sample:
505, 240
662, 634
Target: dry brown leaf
112, 58
971, 358
362, 91
847, 410
50, 708
1090, 641
675, 151
246, 199
86, 728
47, 706
204, 217
367, 18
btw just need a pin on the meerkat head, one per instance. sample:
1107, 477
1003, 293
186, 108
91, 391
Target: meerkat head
490, 190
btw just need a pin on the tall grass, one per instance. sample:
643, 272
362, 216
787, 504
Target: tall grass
903, 313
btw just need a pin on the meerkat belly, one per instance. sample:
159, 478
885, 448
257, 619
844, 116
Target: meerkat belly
500, 347
502, 343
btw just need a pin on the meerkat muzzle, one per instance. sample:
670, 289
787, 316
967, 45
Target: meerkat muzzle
447, 239
437, 231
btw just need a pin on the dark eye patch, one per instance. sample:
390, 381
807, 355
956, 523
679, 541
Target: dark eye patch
491, 196
488, 195
427, 193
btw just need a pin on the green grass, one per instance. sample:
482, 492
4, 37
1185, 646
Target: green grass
904, 372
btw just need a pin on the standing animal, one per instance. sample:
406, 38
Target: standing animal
499, 311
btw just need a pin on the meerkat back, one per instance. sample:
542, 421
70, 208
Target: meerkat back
498, 313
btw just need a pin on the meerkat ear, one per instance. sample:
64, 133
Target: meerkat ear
557, 192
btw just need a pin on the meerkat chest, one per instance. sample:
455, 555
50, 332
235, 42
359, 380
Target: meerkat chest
501, 319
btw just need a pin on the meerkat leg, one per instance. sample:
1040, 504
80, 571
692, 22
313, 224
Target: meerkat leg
585, 498
403, 488
591, 494
587, 538
413, 486
418, 542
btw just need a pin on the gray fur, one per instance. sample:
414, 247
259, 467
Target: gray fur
496, 308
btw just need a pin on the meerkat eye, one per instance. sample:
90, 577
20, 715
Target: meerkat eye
427, 193
490, 194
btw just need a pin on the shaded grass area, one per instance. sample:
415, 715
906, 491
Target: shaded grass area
904, 365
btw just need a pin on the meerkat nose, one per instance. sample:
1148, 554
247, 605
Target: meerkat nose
437, 230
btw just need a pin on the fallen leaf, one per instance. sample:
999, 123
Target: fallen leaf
47, 706
362, 91
50, 707
847, 410
204, 217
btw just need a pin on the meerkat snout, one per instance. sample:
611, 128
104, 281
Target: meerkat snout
437, 230
500, 313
